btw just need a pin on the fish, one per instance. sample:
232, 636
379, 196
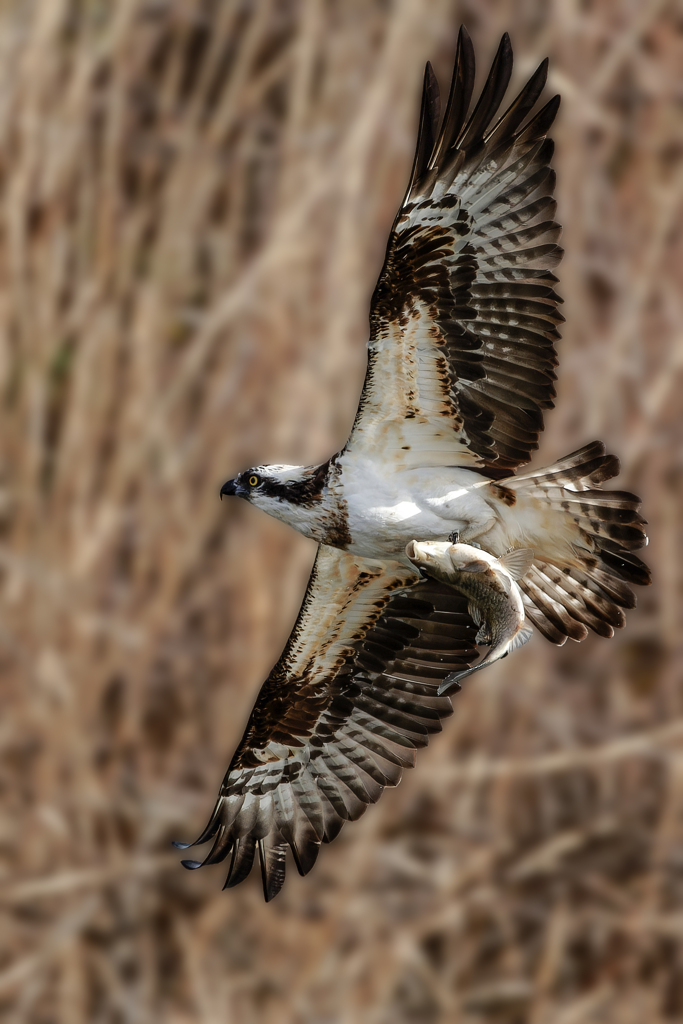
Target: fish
496, 603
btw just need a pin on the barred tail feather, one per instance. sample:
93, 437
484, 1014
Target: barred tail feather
565, 597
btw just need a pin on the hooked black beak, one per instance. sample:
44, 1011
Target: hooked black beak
229, 487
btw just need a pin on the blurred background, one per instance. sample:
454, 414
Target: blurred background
195, 197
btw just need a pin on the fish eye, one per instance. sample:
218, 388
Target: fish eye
253, 480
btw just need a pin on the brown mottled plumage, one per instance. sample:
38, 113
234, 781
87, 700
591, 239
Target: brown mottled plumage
338, 719
472, 251
461, 367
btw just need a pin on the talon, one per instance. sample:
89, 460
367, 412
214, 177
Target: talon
454, 538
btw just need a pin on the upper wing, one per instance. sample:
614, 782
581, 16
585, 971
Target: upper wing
461, 356
340, 715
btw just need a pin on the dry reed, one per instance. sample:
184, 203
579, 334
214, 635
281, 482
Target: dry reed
195, 198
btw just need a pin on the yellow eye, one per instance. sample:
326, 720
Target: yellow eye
253, 480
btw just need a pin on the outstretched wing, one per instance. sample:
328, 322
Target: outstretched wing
464, 316
341, 714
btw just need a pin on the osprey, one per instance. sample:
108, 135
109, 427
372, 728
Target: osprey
461, 366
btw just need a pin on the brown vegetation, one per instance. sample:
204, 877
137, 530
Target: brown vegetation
195, 198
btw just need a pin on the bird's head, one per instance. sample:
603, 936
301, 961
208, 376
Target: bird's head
286, 492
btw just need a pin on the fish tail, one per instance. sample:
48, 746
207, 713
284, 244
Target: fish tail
583, 583
452, 681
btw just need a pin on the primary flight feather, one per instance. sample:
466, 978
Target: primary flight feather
461, 366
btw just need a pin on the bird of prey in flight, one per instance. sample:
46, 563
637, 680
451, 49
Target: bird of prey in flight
461, 366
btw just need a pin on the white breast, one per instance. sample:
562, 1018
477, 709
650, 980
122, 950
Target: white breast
386, 508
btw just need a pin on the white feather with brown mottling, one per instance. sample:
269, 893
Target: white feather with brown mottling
461, 367
341, 714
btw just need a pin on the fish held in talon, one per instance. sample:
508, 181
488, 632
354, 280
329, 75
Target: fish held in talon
490, 584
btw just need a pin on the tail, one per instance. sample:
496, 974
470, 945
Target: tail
587, 584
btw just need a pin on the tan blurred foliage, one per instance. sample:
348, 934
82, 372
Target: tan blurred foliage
195, 199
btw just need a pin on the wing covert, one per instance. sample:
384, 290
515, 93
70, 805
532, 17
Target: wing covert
341, 714
461, 360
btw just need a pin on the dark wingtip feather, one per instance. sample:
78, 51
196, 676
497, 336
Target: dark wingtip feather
305, 857
241, 861
272, 860
491, 96
539, 125
510, 121
433, 101
466, 51
429, 120
460, 94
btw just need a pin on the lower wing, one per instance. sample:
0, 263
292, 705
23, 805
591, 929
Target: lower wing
353, 695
